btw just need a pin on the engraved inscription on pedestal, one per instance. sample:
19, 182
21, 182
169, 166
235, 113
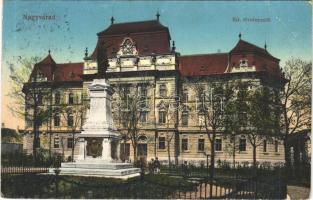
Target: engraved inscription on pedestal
94, 147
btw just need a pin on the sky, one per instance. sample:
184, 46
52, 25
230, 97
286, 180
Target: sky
196, 26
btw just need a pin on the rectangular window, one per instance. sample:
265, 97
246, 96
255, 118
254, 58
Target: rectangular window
264, 145
57, 98
184, 144
242, 144
162, 117
218, 144
143, 117
143, 91
39, 99
184, 119
201, 119
185, 95
70, 120
243, 118
124, 151
70, 143
71, 98
57, 119
56, 143
162, 90
276, 146
161, 142
200, 144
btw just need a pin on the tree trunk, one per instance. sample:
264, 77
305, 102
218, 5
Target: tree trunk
287, 153
169, 153
35, 132
254, 155
73, 146
212, 162
234, 153
135, 152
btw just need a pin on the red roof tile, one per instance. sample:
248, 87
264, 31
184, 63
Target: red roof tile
133, 27
69, 72
48, 60
244, 46
201, 65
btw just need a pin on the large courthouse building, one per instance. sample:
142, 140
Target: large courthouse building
142, 55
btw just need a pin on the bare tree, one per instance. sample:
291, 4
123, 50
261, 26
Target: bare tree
28, 93
296, 99
262, 117
170, 107
128, 107
73, 113
212, 99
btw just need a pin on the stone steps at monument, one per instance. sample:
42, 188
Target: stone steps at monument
96, 165
118, 173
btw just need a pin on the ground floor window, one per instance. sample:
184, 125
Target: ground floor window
264, 146
242, 144
218, 144
184, 144
161, 142
70, 143
124, 151
142, 150
276, 146
200, 144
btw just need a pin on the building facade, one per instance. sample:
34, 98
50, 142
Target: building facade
141, 59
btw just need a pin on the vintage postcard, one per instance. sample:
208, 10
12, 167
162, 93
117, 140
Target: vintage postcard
156, 99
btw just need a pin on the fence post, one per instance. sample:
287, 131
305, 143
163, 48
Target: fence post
57, 172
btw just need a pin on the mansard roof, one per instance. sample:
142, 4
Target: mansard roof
203, 64
69, 72
133, 27
149, 37
245, 47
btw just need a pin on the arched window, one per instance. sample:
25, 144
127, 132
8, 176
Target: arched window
142, 139
57, 98
71, 98
57, 119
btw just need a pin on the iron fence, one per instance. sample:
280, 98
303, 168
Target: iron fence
32, 185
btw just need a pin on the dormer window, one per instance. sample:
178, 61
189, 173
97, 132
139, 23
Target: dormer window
243, 63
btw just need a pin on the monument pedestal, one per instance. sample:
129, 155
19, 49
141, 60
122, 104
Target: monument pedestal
99, 141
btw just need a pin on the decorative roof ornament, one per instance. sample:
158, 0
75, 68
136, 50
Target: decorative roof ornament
112, 20
265, 46
86, 52
173, 46
49, 51
158, 16
239, 35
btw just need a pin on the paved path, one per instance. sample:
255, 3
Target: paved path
297, 192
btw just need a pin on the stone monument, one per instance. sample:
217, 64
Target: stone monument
99, 141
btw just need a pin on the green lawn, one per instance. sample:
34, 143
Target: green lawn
43, 186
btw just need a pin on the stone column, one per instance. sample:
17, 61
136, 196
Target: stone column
106, 150
118, 147
81, 155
